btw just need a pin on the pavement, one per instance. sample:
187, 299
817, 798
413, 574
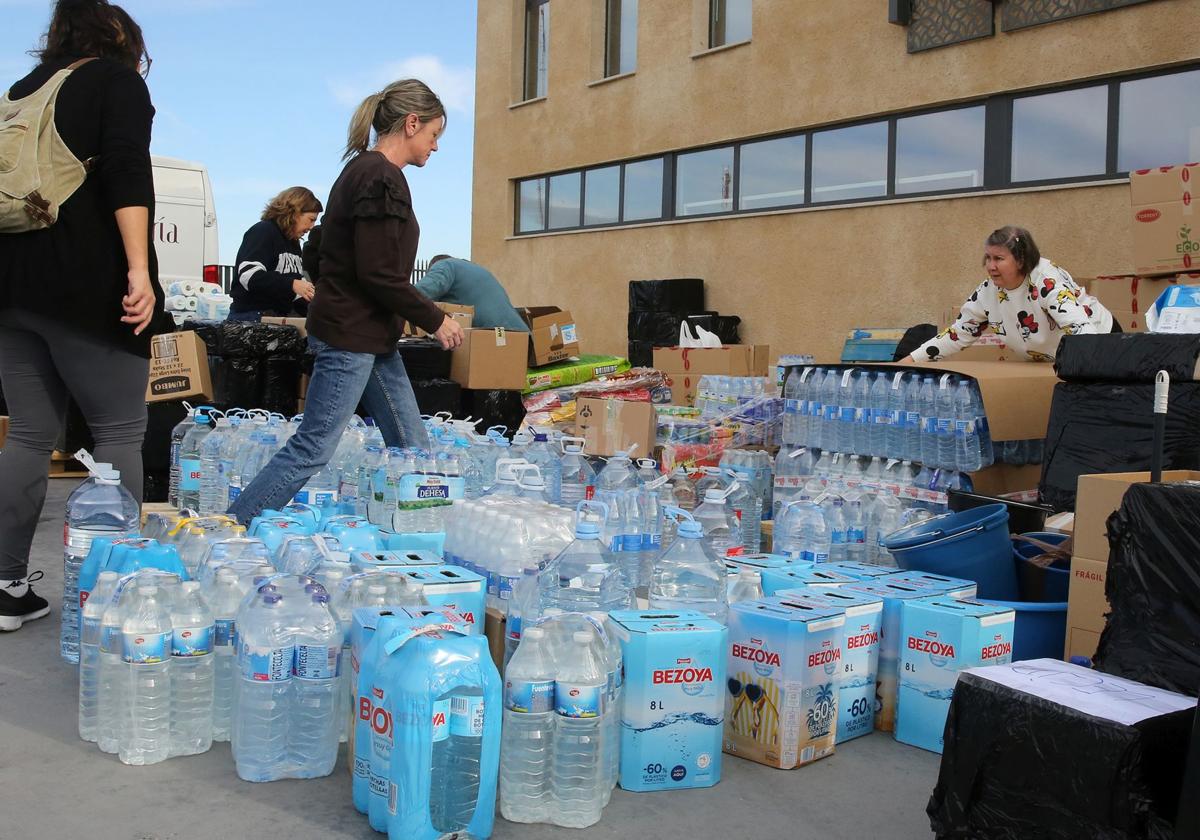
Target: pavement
53, 785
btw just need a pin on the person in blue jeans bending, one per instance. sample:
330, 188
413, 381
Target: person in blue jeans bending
368, 245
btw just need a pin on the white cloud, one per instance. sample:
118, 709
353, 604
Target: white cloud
455, 85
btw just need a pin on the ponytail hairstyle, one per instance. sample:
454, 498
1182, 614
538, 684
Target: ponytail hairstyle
93, 29
1020, 244
386, 111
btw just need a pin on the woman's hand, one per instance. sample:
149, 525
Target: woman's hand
139, 302
303, 288
450, 334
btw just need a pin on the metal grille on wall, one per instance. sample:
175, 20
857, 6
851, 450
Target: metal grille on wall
1021, 14
940, 23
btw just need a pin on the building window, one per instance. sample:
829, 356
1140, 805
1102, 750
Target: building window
537, 47
704, 182
771, 173
942, 151
1160, 121
620, 42
1060, 135
602, 196
564, 201
850, 163
643, 190
532, 213
729, 22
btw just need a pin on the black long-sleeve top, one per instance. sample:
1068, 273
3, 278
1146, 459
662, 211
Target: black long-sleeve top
76, 270
267, 265
368, 244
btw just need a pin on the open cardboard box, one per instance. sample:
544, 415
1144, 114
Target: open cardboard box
552, 334
178, 368
465, 315
490, 360
684, 366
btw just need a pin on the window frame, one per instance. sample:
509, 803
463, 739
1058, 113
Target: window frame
529, 81
613, 41
716, 24
671, 208
997, 157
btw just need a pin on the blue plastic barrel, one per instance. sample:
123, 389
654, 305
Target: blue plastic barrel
1041, 583
973, 544
1040, 631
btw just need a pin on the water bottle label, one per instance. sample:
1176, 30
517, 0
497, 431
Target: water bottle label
234, 491
816, 409
896, 418
883, 417
651, 542
111, 640
505, 586
317, 662
493, 583
189, 474
192, 641
223, 632
512, 626
912, 419
945, 425
441, 720
529, 696
90, 628
631, 542
362, 767
856, 535
847, 414
579, 701
820, 557
831, 413
838, 537
929, 425
266, 664
793, 406
145, 648
466, 716
808, 556
616, 544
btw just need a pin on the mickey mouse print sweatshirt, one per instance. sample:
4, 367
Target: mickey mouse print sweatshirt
1031, 318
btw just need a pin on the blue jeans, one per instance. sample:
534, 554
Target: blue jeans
340, 379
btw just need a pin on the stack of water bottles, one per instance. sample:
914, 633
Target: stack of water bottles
938, 421
746, 405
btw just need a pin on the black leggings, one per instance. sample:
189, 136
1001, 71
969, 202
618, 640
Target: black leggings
42, 361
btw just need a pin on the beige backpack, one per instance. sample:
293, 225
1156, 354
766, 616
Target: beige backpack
37, 170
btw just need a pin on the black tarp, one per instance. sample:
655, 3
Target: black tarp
1127, 357
280, 385
255, 340
424, 358
682, 294
437, 395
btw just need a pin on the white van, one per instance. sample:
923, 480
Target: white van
185, 222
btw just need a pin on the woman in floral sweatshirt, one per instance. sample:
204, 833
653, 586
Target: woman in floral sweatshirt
1028, 301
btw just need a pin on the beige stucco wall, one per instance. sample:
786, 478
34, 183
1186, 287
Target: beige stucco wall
799, 280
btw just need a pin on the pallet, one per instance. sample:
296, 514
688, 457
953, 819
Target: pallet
63, 465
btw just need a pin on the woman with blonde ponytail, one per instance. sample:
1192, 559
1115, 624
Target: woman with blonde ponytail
369, 237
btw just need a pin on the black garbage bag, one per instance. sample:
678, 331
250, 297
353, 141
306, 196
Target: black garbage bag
256, 340
161, 418
437, 395
1105, 428
726, 327
1016, 766
424, 358
280, 385
237, 383
155, 486
683, 294
660, 329
1153, 587
494, 408
641, 353
209, 332
1127, 357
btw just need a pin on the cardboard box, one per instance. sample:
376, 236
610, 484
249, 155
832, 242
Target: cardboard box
300, 324
495, 627
1098, 496
465, 315
1131, 294
685, 365
1081, 643
3, 431
611, 426
490, 360
178, 368
1016, 397
552, 334
1006, 478
1166, 219
1086, 604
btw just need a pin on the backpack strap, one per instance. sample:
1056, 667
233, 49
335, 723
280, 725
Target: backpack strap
90, 163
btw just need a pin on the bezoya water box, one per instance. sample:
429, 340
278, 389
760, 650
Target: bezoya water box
781, 696
860, 654
673, 705
939, 638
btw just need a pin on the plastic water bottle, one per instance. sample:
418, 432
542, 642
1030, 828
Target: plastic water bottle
190, 469
881, 414
745, 586
721, 529
929, 423
314, 729
177, 433
831, 436
214, 491
836, 517
578, 759
146, 631
99, 507
463, 751
263, 701
224, 600
528, 731
969, 452
856, 531
440, 764
945, 423
911, 447
89, 655
746, 505
690, 575
542, 454
864, 413
886, 520
584, 577
897, 418
523, 610
191, 672
114, 673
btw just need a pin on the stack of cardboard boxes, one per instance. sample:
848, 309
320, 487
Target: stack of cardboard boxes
1165, 224
498, 359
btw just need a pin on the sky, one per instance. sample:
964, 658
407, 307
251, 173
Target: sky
261, 92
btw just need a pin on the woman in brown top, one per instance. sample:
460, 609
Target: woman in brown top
368, 244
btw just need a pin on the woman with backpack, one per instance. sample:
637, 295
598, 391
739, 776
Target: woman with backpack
79, 293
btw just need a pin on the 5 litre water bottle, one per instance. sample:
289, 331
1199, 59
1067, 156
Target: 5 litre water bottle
145, 736
100, 507
214, 489
89, 654
721, 529
191, 672
529, 717
177, 433
745, 586
690, 575
578, 758
191, 471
